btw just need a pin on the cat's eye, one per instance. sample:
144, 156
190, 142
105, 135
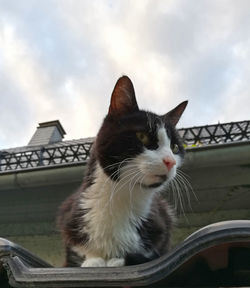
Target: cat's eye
175, 148
143, 137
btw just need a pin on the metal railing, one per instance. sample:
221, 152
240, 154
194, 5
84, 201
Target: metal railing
79, 153
44, 157
216, 134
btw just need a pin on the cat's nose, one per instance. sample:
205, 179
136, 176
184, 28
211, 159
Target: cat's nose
169, 162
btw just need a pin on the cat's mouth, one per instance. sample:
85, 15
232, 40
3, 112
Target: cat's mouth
162, 177
158, 181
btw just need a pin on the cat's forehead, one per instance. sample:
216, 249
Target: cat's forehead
153, 120
145, 120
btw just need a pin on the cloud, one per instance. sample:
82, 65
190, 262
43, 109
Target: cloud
60, 60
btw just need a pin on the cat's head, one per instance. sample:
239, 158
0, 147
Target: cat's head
140, 145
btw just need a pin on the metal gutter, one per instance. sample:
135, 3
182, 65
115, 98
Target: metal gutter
237, 153
42, 176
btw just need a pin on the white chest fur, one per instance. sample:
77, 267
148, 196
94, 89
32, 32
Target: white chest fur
115, 211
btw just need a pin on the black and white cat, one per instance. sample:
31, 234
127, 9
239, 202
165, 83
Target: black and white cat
118, 216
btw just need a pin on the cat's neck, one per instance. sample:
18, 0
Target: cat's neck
120, 197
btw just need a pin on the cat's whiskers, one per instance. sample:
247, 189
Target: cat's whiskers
132, 170
130, 184
108, 179
174, 194
179, 191
179, 184
115, 172
185, 178
120, 185
141, 181
131, 188
182, 183
116, 163
180, 198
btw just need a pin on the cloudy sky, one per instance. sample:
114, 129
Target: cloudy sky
60, 60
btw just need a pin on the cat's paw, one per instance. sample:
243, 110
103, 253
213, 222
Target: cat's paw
94, 262
116, 262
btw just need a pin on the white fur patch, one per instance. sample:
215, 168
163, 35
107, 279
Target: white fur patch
116, 262
94, 262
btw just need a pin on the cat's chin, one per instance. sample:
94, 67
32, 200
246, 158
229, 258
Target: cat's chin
155, 181
153, 185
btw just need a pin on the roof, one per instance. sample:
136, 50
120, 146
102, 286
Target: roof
216, 255
77, 151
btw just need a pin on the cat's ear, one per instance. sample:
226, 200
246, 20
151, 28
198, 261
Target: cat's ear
123, 99
175, 114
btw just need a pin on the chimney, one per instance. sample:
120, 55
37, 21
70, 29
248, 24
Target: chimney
47, 133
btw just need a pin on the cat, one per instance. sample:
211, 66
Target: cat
118, 216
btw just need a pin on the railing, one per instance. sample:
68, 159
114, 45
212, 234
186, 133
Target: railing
44, 157
79, 153
216, 134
